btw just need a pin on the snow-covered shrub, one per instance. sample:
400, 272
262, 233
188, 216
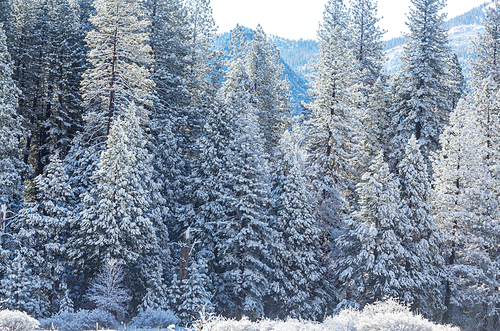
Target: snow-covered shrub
152, 318
81, 320
15, 320
382, 316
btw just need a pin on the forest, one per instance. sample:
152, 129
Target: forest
147, 173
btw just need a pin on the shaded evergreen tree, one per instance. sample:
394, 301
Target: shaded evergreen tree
455, 80
270, 91
43, 228
11, 132
371, 265
298, 285
195, 293
332, 124
123, 213
243, 235
465, 212
21, 287
423, 262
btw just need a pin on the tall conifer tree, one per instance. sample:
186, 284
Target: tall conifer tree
420, 106
465, 206
11, 132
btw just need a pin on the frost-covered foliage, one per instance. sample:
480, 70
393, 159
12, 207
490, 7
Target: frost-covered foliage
107, 290
381, 316
151, 318
11, 168
81, 320
420, 106
21, 286
15, 320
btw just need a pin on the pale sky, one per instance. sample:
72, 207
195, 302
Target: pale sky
296, 19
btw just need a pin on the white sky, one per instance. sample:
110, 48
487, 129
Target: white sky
296, 19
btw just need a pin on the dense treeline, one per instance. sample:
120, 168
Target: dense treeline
138, 158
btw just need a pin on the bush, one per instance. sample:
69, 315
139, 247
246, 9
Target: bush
81, 320
15, 320
383, 316
154, 319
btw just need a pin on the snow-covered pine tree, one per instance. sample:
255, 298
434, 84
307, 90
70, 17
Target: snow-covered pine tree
270, 90
484, 98
465, 212
374, 122
65, 61
487, 47
455, 80
43, 228
11, 132
423, 263
118, 74
123, 213
203, 58
243, 235
420, 106
28, 44
332, 122
366, 40
48, 56
298, 286
119, 58
20, 287
367, 48
371, 265
174, 293
175, 123
194, 291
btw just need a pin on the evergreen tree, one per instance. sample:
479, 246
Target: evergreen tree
456, 80
48, 56
374, 121
28, 46
123, 213
119, 57
420, 106
487, 47
332, 123
65, 60
11, 167
174, 293
194, 293
118, 74
43, 227
423, 262
21, 287
298, 284
465, 211
270, 91
366, 40
243, 235
371, 265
